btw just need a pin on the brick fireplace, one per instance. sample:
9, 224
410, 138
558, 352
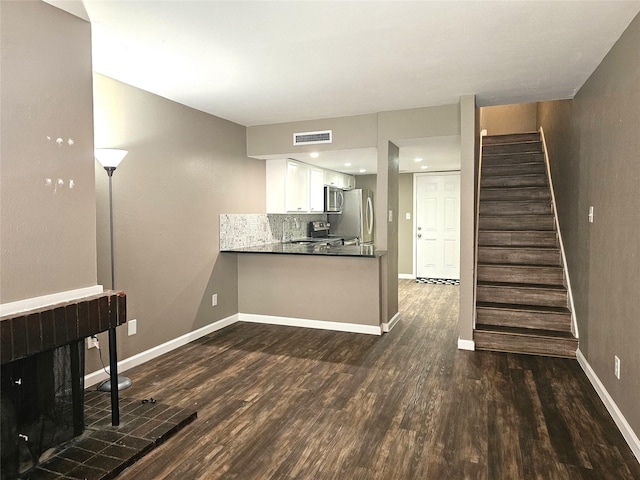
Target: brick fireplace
42, 378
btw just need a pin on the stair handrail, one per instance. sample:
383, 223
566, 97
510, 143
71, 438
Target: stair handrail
574, 322
483, 133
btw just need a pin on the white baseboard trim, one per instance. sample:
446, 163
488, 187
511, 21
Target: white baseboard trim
466, 344
624, 427
306, 323
388, 326
406, 276
38, 302
142, 357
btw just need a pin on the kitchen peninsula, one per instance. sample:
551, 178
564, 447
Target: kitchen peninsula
332, 287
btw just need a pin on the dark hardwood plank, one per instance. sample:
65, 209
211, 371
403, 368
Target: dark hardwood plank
282, 403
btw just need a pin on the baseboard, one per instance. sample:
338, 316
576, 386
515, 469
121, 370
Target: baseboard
142, 357
388, 326
306, 323
624, 427
43, 301
466, 344
406, 276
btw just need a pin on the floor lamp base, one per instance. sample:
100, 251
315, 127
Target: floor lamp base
123, 383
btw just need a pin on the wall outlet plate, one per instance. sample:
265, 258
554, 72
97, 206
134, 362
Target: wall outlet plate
616, 367
214, 299
91, 343
132, 327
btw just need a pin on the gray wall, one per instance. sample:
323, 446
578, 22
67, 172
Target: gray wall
505, 119
184, 169
469, 151
47, 234
405, 227
358, 131
367, 182
594, 143
301, 286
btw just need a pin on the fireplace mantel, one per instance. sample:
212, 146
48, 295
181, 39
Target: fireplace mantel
33, 331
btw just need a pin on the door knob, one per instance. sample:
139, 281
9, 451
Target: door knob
419, 235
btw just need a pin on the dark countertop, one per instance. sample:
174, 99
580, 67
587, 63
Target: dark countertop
366, 251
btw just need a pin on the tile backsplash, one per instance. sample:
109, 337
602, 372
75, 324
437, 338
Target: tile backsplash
246, 230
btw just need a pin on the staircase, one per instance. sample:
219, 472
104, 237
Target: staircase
522, 302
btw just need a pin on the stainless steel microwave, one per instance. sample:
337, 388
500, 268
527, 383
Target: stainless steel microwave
333, 200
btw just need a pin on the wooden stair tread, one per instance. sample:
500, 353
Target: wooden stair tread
515, 155
524, 308
526, 332
512, 189
507, 170
521, 265
515, 202
517, 248
512, 148
531, 286
506, 208
511, 138
536, 179
512, 238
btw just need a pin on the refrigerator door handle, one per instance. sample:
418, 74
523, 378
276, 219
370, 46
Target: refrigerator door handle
340, 200
369, 215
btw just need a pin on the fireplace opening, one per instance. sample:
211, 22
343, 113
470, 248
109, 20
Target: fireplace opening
41, 406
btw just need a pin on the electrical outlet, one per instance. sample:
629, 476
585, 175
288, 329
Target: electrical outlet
92, 342
591, 214
616, 367
132, 327
214, 299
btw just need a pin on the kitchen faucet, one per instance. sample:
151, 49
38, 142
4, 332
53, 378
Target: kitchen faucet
284, 228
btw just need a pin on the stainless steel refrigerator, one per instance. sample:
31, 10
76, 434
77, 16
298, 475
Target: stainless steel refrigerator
356, 219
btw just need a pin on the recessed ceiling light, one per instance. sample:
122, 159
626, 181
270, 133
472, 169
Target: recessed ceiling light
314, 154
347, 164
362, 170
424, 167
418, 159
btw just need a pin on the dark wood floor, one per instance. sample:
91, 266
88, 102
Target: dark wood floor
287, 403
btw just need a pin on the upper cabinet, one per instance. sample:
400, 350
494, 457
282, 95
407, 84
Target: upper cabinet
340, 180
316, 190
296, 187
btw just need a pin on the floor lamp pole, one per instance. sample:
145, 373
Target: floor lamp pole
113, 349
110, 158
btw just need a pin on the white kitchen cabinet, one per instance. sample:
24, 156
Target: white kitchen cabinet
333, 179
349, 182
316, 189
288, 186
339, 180
297, 187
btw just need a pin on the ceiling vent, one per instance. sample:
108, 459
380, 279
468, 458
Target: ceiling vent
309, 138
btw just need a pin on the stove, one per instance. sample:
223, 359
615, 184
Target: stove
318, 232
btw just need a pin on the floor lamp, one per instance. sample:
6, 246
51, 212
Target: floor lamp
110, 158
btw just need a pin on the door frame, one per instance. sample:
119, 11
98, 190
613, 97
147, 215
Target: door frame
415, 210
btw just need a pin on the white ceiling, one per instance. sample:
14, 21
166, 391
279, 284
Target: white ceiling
261, 62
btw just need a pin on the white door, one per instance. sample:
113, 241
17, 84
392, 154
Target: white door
438, 225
